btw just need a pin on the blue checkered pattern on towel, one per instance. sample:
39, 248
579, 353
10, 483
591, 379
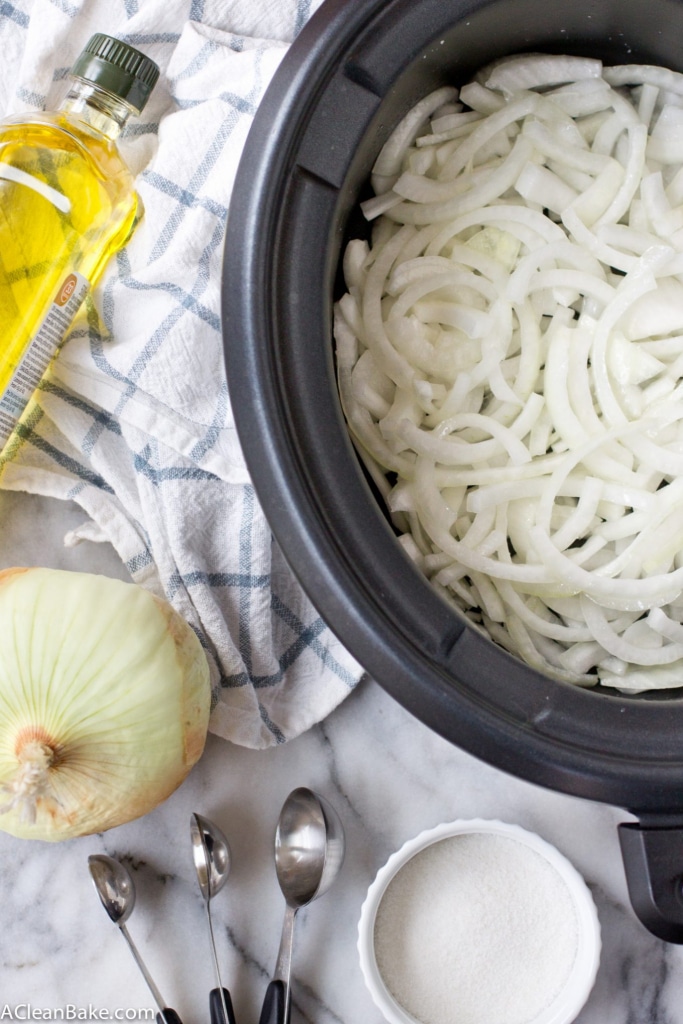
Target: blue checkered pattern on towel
133, 422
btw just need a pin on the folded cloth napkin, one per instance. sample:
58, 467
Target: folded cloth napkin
133, 421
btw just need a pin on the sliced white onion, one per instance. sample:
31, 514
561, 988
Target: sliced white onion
541, 71
537, 184
511, 349
389, 160
638, 74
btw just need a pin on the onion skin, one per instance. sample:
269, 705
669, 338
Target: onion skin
104, 702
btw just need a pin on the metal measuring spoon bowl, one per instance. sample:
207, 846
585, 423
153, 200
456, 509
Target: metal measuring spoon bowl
309, 851
212, 861
116, 889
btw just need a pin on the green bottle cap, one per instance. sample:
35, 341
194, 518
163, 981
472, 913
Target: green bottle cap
118, 68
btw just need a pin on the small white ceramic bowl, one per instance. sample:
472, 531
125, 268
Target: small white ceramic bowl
581, 966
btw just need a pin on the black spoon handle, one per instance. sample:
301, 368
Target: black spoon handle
273, 1009
168, 1016
216, 1006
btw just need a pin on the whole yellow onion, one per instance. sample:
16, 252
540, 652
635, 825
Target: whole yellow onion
104, 702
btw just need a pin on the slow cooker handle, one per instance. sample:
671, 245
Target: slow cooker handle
653, 862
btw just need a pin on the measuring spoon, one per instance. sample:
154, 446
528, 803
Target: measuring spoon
212, 862
309, 851
116, 890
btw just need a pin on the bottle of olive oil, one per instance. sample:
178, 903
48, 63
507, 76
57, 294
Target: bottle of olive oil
67, 203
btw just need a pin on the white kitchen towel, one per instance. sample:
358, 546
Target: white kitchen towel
133, 421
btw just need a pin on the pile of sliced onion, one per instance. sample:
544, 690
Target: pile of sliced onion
510, 359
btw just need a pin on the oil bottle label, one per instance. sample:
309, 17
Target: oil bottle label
40, 351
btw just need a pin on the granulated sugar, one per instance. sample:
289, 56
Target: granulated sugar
476, 929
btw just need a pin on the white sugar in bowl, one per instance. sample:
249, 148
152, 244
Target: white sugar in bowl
479, 922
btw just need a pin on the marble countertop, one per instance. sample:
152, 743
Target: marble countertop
387, 775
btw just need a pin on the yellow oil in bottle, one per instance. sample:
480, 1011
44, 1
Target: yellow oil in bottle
40, 243
67, 204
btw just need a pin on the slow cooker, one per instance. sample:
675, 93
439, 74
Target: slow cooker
349, 77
